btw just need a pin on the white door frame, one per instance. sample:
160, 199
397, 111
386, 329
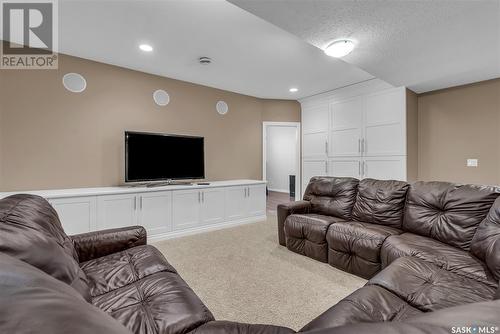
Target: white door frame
295, 125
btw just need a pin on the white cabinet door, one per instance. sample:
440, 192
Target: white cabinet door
155, 212
345, 167
256, 200
385, 123
116, 211
315, 118
212, 206
346, 127
186, 209
236, 206
385, 168
312, 168
77, 214
314, 145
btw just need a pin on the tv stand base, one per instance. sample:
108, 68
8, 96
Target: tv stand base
168, 183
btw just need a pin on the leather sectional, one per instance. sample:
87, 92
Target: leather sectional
424, 247
113, 282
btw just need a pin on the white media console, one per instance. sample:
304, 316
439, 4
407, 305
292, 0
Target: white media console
165, 212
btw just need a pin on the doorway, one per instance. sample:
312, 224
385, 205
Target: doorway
281, 161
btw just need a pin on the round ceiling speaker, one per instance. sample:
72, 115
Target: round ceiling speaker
205, 60
74, 82
161, 97
222, 107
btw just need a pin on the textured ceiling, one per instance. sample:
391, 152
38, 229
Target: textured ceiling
250, 55
423, 44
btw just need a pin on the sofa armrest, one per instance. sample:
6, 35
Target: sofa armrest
100, 243
287, 209
230, 327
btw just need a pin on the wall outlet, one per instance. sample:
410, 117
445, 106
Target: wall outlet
472, 162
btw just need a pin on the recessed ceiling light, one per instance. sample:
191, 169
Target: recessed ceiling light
340, 48
146, 47
293, 90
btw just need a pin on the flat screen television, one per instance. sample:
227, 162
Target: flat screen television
160, 157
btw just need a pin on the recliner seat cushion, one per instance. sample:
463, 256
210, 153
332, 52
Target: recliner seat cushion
486, 242
141, 290
306, 234
427, 287
444, 256
332, 196
30, 231
380, 202
446, 211
355, 246
367, 304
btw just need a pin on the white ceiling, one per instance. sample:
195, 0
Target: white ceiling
424, 44
250, 55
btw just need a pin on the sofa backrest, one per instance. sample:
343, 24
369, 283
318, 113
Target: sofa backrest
34, 302
380, 202
485, 244
30, 231
446, 211
333, 196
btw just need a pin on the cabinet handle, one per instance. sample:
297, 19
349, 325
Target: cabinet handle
365, 168
203, 197
135, 203
140, 203
359, 145
326, 167
359, 168
199, 197
248, 191
326, 147
363, 145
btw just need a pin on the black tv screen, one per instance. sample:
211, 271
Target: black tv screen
156, 157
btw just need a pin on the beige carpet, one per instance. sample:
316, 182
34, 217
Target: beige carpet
242, 274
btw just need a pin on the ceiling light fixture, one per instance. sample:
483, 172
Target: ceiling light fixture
340, 48
146, 47
293, 90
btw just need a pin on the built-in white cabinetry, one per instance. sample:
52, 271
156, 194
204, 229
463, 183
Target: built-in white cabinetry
164, 211
364, 135
77, 214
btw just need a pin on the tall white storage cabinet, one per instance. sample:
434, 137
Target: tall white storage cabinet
362, 131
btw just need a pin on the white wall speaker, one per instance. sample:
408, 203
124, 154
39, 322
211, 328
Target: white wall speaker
161, 97
74, 82
222, 107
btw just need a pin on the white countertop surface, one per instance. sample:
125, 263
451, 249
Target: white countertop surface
126, 189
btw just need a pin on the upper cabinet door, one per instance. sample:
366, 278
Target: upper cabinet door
116, 211
385, 123
314, 145
346, 128
315, 118
155, 212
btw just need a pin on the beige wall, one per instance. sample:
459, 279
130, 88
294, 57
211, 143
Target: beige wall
51, 138
456, 124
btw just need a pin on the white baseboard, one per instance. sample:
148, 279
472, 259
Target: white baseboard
279, 190
203, 229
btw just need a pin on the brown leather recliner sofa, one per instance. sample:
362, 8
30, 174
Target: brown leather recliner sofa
113, 282
425, 246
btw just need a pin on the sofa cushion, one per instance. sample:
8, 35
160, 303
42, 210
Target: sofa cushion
30, 231
333, 196
116, 270
380, 202
486, 242
447, 212
35, 302
368, 304
442, 255
355, 246
306, 234
140, 289
230, 327
429, 288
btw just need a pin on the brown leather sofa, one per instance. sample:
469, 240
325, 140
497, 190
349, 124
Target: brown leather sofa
113, 282
438, 244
